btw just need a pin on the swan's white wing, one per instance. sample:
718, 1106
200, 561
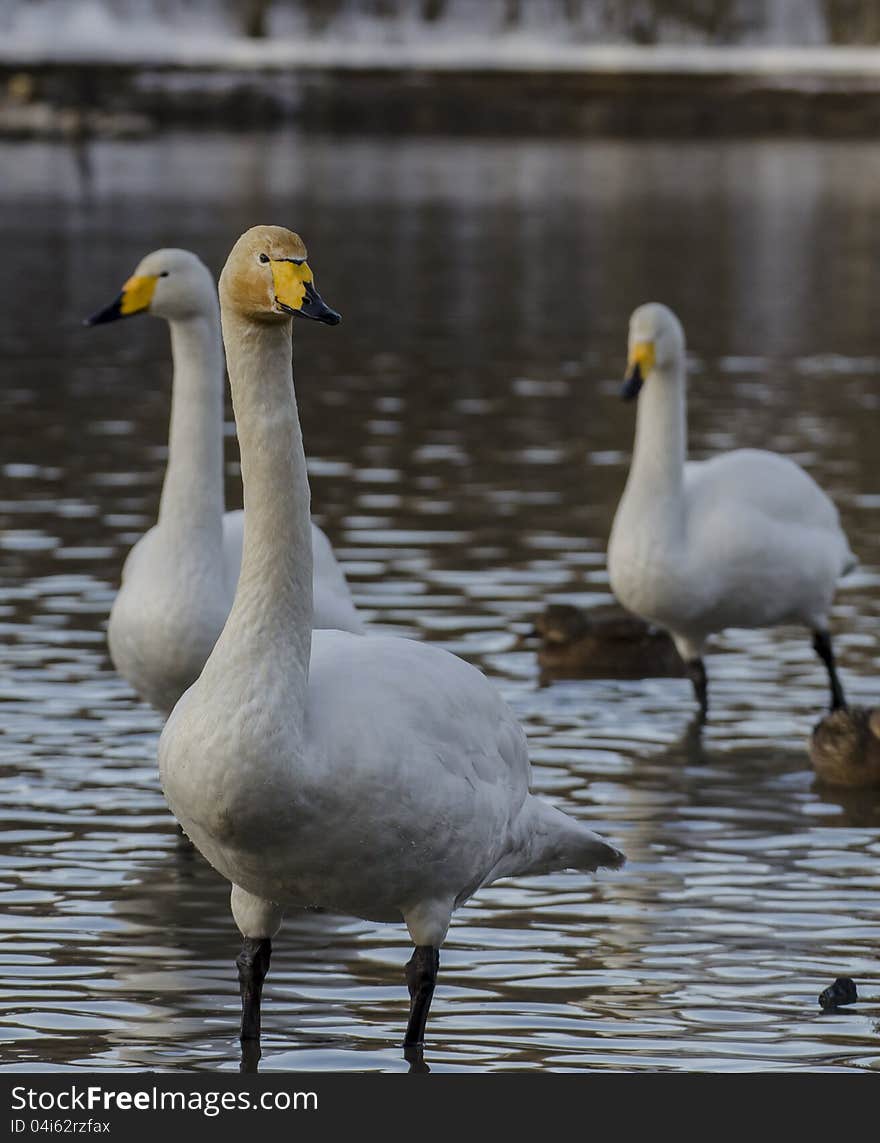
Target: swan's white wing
765, 544
390, 716
757, 497
398, 707
334, 607
233, 543
765, 481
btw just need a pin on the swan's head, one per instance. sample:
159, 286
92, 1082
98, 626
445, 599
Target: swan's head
267, 278
656, 344
172, 284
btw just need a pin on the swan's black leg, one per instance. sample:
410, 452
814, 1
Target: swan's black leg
822, 647
253, 964
696, 672
421, 976
250, 1057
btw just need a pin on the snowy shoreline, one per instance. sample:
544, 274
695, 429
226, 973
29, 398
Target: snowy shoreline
513, 55
517, 86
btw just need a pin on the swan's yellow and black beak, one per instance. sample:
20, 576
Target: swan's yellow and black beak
640, 364
295, 291
137, 293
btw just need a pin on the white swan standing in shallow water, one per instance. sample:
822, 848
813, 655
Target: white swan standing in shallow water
179, 580
373, 776
746, 539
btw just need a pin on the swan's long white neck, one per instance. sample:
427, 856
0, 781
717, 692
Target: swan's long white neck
656, 473
271, 618
192, 501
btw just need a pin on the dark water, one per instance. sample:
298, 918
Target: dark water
467, 450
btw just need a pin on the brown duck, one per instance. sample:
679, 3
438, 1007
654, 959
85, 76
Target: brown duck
845, 747
603, 643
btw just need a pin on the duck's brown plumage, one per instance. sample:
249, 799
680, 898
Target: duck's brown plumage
845, 747
607, 642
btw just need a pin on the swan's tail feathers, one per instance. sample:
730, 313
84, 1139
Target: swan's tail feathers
551, 840
850, 563
594, 852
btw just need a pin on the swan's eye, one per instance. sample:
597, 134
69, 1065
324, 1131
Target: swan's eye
163, 274
264, 257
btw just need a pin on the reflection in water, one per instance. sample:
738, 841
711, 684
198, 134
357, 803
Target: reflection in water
467, 450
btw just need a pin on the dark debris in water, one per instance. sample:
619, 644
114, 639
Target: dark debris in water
842, 991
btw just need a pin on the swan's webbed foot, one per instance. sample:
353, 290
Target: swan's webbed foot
696, 672
822, 647
421, 976
253, 964
414, 1054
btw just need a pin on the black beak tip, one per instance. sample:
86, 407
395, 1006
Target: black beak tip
332, 318
109, 313
632, 384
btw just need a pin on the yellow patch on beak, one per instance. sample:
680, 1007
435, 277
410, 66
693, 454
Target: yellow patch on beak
290, 280
642, 354
137, 293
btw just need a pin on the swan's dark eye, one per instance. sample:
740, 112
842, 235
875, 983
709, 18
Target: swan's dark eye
163, 274
264, 257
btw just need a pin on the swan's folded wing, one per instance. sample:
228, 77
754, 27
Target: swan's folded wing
334, 607
766, 482
389, 713
233, 543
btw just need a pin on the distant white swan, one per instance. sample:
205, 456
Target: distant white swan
373, 776
746, 539
179, 579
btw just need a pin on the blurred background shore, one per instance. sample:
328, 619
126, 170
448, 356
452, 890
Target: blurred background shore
562, 67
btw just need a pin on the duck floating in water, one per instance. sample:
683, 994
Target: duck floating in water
845, 747
602, 643
179, 579
745, 539
369, 775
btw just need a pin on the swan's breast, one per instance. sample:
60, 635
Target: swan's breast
168, 614
647, 575
161, 633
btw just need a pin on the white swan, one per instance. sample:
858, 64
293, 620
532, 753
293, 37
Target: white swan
380, 778
179, 579
746, 539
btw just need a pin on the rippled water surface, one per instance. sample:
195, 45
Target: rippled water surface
467, 449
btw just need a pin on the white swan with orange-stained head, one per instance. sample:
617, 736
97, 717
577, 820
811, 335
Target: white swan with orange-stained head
368, 775
179, 579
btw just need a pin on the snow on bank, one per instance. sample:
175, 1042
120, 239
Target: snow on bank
87, 33
513, 54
